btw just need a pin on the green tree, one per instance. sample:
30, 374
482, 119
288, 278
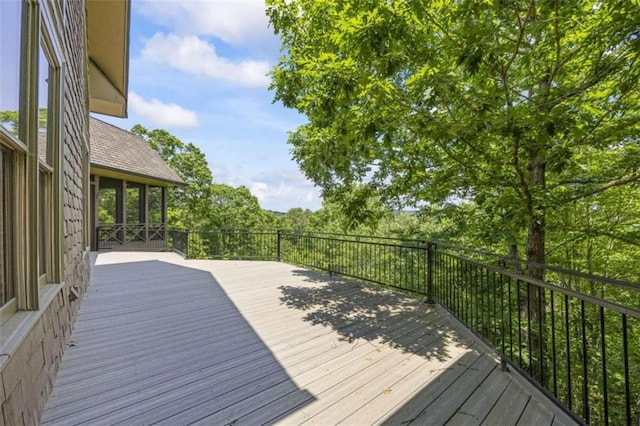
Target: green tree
237, 208
202, 204
521, 108
10, 120
298, 219
188, 206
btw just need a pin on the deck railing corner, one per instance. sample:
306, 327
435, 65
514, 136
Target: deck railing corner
570, 333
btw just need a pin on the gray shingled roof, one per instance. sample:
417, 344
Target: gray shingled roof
116, 149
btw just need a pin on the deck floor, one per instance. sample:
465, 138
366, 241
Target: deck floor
163, 340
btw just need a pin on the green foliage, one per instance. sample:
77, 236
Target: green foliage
9, 120
297, 220
516, 109
188, 205
107, 205
513, 124
237, 208
201, 204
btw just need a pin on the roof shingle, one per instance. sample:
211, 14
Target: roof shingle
117, 149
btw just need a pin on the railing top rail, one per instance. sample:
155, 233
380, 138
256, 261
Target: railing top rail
110, 225
541, 325
304, 233
633, 312
228, 230
423, 244
356, 236
546, 267
379, 242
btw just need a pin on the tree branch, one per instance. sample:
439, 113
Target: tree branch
611, 184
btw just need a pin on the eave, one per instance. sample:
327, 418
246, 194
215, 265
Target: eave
103, 171
108, 23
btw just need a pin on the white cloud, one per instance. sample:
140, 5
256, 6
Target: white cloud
195, 56
237, 22
281, 196
219, 172
161, 114
260, 190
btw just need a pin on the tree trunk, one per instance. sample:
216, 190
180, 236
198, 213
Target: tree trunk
536, 256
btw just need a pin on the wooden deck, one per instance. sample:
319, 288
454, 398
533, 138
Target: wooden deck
162, 340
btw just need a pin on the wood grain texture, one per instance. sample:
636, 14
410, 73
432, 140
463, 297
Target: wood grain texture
163, 340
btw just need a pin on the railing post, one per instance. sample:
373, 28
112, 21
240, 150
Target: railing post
186, 246
430, 270
278, 245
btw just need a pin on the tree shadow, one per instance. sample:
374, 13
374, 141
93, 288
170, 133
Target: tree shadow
357, 311
160, 342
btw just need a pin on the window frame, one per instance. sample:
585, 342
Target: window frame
19, 151
39, 24
9, 306
45, 223
52, 235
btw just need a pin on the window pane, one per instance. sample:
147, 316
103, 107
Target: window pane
43, 224
43, 106
10, 18
6, 282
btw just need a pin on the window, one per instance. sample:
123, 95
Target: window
30, 172
10, 18
10, 149
45, 245
7, 290
48, 127
46, 145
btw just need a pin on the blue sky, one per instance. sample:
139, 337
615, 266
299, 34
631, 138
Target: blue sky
197, 69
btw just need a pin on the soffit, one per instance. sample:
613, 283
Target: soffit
108, 24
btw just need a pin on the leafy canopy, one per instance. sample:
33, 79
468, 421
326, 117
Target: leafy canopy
201, 204
518, 107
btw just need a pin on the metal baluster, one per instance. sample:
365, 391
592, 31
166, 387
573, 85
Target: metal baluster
585, 378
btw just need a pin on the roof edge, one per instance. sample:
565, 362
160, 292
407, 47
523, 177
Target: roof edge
113, 172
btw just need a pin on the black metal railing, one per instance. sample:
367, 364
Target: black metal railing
573, 343
225, 244
389, 262
179, 241
138, 236
574, 335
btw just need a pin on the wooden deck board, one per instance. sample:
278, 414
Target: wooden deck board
162, 340
535, 414
482, 400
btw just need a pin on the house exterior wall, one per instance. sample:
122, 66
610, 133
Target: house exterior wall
76, 143
32, 342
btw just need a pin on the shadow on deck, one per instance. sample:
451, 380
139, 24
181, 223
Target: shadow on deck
163, 340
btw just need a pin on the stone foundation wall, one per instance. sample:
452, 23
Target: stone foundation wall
28, 374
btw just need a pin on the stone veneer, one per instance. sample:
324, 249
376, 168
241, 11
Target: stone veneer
28, 372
